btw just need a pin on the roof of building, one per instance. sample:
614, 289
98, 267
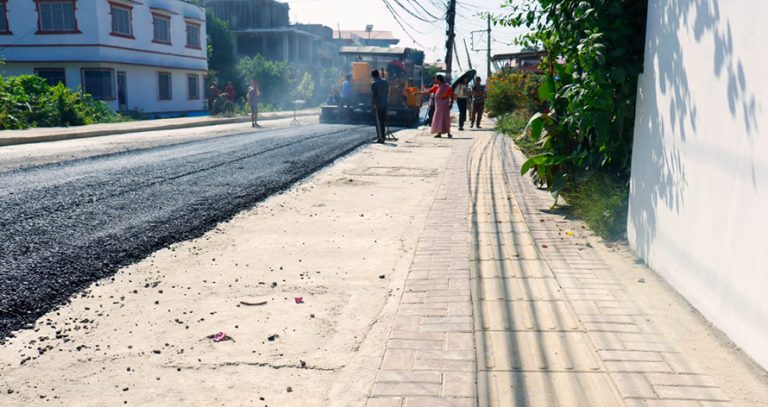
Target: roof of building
372, 50
364, 35
519, 55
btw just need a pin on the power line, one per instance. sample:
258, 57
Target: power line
397, 20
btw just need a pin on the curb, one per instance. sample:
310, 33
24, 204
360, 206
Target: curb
12, 141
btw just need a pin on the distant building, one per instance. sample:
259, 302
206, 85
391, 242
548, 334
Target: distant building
149, 56
346, 38
263, 27
525, 61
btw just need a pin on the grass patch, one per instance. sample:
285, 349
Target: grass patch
512, 124
602, 202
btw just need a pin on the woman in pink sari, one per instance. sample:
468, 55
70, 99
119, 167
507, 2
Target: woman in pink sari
441, 123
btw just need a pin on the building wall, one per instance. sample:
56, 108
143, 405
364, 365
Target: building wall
143, 91
699, 188
244, 14
94, 45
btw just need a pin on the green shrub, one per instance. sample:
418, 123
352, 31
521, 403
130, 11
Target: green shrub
28, 101
595, 51
509, 91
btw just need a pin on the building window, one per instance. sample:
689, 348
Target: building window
100, 83
193, 86
164, 84
162, 28
4, 28
121, 20
193, 35
53, 76
56, 16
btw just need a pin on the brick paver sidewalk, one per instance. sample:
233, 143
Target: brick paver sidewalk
430, 355
500, 310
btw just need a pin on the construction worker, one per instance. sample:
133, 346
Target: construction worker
379, 101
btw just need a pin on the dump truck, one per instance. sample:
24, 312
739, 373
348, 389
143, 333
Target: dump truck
402, 68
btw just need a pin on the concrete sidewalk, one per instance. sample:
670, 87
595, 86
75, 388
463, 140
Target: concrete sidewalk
508, 303
44, 134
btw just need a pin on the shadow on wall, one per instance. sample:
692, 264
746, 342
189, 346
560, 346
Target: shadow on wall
664, 182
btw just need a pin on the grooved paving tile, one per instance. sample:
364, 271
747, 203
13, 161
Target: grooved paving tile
528, 316
537, 351
495, 227
509, 269
518, 289
507, 239
547, 389
498, 250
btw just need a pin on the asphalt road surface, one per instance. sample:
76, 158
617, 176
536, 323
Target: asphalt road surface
66, 225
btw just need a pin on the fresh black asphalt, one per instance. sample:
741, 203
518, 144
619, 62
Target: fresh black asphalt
66, 225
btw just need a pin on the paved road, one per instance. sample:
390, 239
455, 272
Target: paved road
65, 225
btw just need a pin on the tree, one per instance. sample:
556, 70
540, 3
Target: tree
306, 87
221, 50
274, 78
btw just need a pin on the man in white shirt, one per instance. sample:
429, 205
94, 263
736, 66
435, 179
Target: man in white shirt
462, 98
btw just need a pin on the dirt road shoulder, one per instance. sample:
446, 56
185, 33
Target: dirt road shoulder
305, 285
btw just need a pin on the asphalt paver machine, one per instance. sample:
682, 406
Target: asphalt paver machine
403, 69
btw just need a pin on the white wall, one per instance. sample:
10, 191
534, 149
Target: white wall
143, 91
93, 46
699, 189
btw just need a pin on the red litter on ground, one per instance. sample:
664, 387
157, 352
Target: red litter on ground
221, 337
299, 300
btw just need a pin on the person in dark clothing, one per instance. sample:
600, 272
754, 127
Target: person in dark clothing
478, 103
379, 99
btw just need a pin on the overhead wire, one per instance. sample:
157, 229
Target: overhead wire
397, 18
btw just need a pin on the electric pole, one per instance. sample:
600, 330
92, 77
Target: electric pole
456, 53
449, 45
488, 76
469, 59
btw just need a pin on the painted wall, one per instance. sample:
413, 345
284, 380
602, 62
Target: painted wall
699, 189
143, 91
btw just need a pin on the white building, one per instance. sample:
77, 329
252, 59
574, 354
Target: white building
147, 55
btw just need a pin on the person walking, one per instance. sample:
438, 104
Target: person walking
213, 93
478, 103
254, 93
230, 90
462, 96
379, 99
346, 92
431, 92
441, 122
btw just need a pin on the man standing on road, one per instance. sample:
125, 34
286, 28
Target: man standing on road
478, 103
379, 99
253, 101
346, 92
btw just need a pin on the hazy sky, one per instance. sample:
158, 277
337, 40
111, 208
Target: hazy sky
356, 14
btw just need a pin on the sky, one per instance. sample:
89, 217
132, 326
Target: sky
430, 37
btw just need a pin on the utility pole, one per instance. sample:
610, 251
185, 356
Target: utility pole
488, 76
449, 45
469, 59
456, 53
